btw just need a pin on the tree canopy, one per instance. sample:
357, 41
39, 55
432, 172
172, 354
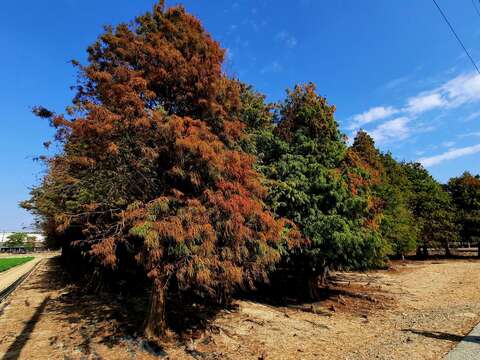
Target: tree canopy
174, 172
304, 157
150, 168
16, 239
465, 192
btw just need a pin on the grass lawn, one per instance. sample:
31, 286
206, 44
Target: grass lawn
7, 263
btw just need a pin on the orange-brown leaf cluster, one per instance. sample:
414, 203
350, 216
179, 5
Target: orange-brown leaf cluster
151, 167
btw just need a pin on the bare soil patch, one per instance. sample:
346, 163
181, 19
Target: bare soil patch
415, 310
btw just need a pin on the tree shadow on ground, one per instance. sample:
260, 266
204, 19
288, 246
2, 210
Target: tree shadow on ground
444, 336
16, 347
53, 278
112, 318
353, 293
102, 317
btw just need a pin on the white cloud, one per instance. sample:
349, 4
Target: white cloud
449, 155
448, 144
463, 89
424, 102
286, 38
373, 114
229, 54
473, 116
241, 42
274, 67
469, 134
396, 129
254, 24
458, 91
392, 84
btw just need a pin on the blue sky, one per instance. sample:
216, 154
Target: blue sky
390, 67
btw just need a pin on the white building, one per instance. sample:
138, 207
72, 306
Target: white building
39, 238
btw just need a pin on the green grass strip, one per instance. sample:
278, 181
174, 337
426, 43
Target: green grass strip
8, 263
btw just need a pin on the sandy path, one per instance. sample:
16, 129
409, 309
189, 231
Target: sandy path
8, 277
419, 311
45, 318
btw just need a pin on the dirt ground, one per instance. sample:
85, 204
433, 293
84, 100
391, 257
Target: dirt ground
417, 310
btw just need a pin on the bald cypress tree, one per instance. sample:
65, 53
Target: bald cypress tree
304, 157
432, 208
151, 168
399, 225
465, 192
390, 195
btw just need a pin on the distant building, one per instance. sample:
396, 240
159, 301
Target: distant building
39, 241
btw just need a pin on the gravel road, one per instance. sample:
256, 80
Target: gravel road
418, 310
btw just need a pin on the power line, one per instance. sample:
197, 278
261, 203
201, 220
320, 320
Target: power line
458, 38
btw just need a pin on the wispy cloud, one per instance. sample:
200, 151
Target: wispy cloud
460, 90
286, 38
254, 24
424, 102
274, 67
448, 144
392, 84
229, 54
449, 155
373, 114
393, 129
239, 41
477, 133
456, 92
473, 116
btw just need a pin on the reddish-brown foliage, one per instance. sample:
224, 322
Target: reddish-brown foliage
150, 163
364, 171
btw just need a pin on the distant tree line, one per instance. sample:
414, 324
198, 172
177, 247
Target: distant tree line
188, 179
20, 240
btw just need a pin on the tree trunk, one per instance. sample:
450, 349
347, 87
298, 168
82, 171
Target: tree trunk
324, 276
314, 283
425, 251
312, 292
448, 253
155, 323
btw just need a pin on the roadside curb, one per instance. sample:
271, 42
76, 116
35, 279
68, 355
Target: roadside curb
13, 269
5, 293
468, 348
